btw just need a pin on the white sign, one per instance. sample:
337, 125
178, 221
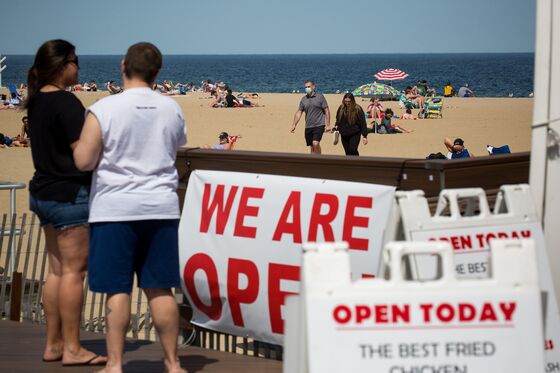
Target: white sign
401, 325
241, 236
471, 236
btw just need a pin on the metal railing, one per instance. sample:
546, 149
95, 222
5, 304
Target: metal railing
22, 247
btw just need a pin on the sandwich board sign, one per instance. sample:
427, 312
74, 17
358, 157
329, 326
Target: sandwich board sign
464, 220
399, 325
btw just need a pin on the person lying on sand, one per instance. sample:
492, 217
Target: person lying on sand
226, 142
232, 101
456, 148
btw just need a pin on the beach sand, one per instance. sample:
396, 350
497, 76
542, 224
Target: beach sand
479, 121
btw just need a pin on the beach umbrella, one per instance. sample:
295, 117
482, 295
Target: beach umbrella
373, 89
391, 74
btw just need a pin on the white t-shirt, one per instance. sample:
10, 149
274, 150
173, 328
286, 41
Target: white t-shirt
136, 178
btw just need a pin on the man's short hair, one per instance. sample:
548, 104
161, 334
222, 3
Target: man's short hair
309, 81
142, 61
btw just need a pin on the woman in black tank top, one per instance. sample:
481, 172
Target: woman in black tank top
59, 197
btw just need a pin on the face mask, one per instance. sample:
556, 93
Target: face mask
308, 90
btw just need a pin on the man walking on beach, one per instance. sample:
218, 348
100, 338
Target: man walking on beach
317, 117
130, 141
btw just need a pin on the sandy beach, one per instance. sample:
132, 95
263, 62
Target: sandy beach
479, 121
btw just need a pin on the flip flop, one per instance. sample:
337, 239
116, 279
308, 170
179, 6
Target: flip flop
86, 363
336, 137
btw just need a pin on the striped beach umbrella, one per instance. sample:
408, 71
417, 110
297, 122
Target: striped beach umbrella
391, 74
373, 89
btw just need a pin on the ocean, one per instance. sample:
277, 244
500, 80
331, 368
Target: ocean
488, 75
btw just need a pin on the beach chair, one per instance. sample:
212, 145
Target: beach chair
432, 108
405, 103
16, 98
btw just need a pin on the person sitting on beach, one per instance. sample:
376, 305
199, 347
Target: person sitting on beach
448, 90
409, 115
423, 89
456, 149
113, 88
465, 91
93, 86
376, 109
24, 133
386, 127
417, 100
225, 142
219, 100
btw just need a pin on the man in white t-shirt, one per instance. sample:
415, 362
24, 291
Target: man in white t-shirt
130, 141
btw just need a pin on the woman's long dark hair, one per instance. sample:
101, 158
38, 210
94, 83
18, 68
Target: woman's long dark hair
350, 111
49, 63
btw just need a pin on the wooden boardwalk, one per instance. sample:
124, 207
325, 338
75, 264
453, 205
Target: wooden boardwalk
21, 346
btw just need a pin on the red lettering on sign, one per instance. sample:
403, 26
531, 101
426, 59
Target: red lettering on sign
236, 295
351, 221
342, 314
526, 234
204, 262
277, 297
426, 311
467, 312
245, 210
217, 205
293, 207
508, 309
381, 314
445, 312
317, 219
488, 313
362, 313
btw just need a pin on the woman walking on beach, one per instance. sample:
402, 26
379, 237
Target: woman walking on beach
59, 195
351, 123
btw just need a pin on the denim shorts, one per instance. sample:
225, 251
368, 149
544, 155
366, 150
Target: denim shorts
118, 250
62, 215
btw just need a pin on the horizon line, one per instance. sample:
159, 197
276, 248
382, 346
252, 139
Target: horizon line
290, 54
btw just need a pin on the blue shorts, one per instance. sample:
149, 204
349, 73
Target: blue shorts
62, 215
117, 250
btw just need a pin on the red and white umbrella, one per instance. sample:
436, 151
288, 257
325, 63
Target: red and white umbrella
391, 74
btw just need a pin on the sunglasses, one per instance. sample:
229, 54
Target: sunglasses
75, 61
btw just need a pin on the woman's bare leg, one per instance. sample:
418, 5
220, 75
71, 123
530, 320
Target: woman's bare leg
70, 248
54, 345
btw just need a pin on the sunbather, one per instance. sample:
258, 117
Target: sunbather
376, 109
113, 88
408, 114
225, 142
456, 149
416, 99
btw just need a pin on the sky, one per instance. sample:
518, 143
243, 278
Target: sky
272, 27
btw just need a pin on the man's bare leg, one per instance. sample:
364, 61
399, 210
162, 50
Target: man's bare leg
165, 314
316, 147
118, 320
